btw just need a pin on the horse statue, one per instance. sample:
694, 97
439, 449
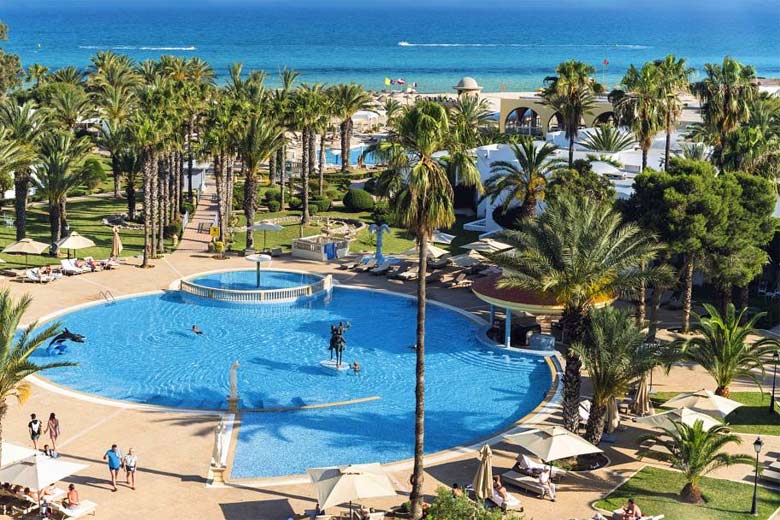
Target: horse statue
58, 344
337, 341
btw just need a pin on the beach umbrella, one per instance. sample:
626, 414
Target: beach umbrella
26, 246
14, 453
467, 259
552, 443
483, 480
38, 471
641, 404
488, 245
265, 227
704, 401
74, 241
684, 415
258, 259
442, 238
342, 484
433, 251
613, 415
116, 243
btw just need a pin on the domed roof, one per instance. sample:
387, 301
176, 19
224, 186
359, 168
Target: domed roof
467, 83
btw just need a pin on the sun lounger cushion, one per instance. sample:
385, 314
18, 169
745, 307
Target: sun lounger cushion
83, 509
523, 482
512, 503
771, 476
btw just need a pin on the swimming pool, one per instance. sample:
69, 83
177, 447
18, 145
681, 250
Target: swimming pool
333, 156
246, 280
141, 349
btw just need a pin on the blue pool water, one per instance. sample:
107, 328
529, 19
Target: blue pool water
247, 280
141, 349
333, 156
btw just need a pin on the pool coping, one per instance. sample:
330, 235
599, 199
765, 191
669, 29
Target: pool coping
538, 414
174, 285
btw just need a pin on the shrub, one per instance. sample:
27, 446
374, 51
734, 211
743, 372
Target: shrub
219, 247
506, 220
358, 200
274, 206
370, 185
272, 194
323, 203
238, 196
188, 207
313, 209
334, 194
295, 202
382, 213
174, 228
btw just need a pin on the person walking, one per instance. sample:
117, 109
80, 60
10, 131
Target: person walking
131, 463
34, 427
548, 488
53, 429
114, 458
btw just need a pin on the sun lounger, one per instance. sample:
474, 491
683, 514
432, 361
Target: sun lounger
348, 266
83, 509
526, 462
381, 269
110, 263
33, 275
92, 264
512, 503
404, 267
69, 267
276, 251
523, 482
367, 266
409, 274
460, 281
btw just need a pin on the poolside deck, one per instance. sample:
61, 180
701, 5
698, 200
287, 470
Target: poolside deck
174, 448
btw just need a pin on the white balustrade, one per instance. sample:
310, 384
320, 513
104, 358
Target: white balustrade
260, 295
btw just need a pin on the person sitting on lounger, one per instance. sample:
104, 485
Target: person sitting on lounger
548, 488
32, 495
79, 264
631, 511
457, 492
499, 488
72, 500
92, 264
196, 330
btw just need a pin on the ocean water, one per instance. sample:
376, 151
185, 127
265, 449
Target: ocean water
505, 45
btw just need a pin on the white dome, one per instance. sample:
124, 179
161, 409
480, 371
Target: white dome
468, 83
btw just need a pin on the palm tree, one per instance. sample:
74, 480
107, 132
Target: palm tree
68, 105
61, 169
607, 139
348, 100
260, 139
523, 179
570, 94
580, 252
16, 349
615, 354
721, 346
726, 95
37, 73
673, 80
424, 202
695, 451
640, 106
69, 75
309, 107
25, 125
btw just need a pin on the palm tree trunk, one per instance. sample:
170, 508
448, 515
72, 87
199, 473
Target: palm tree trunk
688, 293
190, 159
723, 391
595, 427
344, 129
305, 138
21, 191
219, 179
655, 305
115, 173
64, 227
571, 151
3, 411
280, 164
272, 169
644, 158
311, 157
416, 495
725, 297
691, 493
229, 185
744, 296
574, 323
668, 145
322, 161
131, 202
54, 222
180, 188
153, 208
161, 208
250, 194
149, 162
641, 307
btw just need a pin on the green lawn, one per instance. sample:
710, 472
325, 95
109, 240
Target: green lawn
656, 491
754, 417
84, 217
396, 242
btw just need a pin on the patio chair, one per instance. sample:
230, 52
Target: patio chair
409, 274
85, 508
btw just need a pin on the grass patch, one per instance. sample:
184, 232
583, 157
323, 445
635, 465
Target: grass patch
83, 216
754, 417
656, 492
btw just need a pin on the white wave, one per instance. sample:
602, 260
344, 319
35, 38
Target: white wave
542, 45
135, 47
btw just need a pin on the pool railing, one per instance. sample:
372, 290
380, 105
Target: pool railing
325, 284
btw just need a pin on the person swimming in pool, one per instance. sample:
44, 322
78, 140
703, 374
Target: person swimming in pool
196, 330
356, 367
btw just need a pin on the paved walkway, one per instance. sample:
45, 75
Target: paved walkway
174, 448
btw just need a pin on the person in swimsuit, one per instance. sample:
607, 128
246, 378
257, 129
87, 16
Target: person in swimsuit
53, 429
114, 458
196, 330
631, 511
499, 488
34, 426
356, 367
131, 463
72, 500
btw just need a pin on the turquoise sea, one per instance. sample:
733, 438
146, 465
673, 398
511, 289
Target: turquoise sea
505, 45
